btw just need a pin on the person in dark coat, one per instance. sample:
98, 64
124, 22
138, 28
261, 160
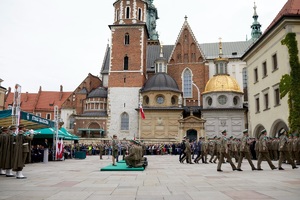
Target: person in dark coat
7, 151
21, 151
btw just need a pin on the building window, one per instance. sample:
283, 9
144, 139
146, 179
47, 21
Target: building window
173, 100
160, 99
186, 58
48, 116
209, 101
235, 100
222, 99
266, 96
127, 12
187, 84
140, 14
264, 66
126, 62
117, 15
276, 96
255, 75
126, 39
274, 60
245, 78
146, 100
257, 104
124, 121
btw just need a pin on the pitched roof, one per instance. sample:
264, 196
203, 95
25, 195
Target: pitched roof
291, 8
230, 49
27, 101
48, 99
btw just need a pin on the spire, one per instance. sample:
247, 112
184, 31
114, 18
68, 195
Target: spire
256, 32
220, 48
161, 55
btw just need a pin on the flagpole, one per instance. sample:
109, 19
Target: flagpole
139, 114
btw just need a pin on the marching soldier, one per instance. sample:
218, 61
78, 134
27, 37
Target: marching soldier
214, 149
182, 155
283, 150
263, 151
188, 151
224, 153
245, 151
114, 149
198, 150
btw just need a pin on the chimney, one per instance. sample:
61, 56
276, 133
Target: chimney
26, 97
61, 92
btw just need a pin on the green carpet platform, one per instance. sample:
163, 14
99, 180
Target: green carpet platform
121, 166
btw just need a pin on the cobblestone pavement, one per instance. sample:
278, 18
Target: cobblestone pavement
164, 178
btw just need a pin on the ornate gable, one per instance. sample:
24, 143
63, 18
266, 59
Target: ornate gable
186, 48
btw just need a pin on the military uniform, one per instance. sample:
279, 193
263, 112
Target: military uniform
133, 156
224, 153
114, 149
263, 151
283, 151
21, 151
188, 152
245, 151
7, 148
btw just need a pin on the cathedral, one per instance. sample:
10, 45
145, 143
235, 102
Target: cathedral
184, 89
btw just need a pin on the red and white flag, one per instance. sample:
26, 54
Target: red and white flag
59, 149
142, 112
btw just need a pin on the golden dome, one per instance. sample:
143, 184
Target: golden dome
222, 83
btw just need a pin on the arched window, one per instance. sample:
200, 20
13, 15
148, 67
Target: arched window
126, 62
187, 84
127, 12
140, 14
126, 39
124, 121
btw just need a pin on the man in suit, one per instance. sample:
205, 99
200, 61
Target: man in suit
245, 151
283, 150
263, 151
224, 153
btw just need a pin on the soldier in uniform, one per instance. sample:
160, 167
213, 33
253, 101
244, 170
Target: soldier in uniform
7, 151
245, 151
101, 149
263, 151
182, 155
21, 151
213, 146
297, 148
114, 145
133, 156
2, 171
224, 153
124, 147
283, 150
204, 150
188, 151
198, 150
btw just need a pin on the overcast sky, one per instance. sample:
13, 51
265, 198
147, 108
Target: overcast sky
49, 43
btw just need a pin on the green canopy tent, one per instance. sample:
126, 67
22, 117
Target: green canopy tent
74, 137
30, 121
49, 133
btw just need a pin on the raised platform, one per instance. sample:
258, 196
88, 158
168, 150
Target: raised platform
121, 166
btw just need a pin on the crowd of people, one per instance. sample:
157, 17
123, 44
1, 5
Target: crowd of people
15, 151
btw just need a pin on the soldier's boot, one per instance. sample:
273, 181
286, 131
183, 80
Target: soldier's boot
20, 175
2, 172
9, 173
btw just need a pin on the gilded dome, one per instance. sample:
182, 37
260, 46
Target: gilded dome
222, 83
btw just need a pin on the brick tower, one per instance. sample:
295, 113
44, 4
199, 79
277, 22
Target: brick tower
127, 66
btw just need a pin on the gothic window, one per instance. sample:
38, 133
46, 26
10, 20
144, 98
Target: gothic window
186, 58
124, 121
127, 12
126, 62
126, 39
187, 84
